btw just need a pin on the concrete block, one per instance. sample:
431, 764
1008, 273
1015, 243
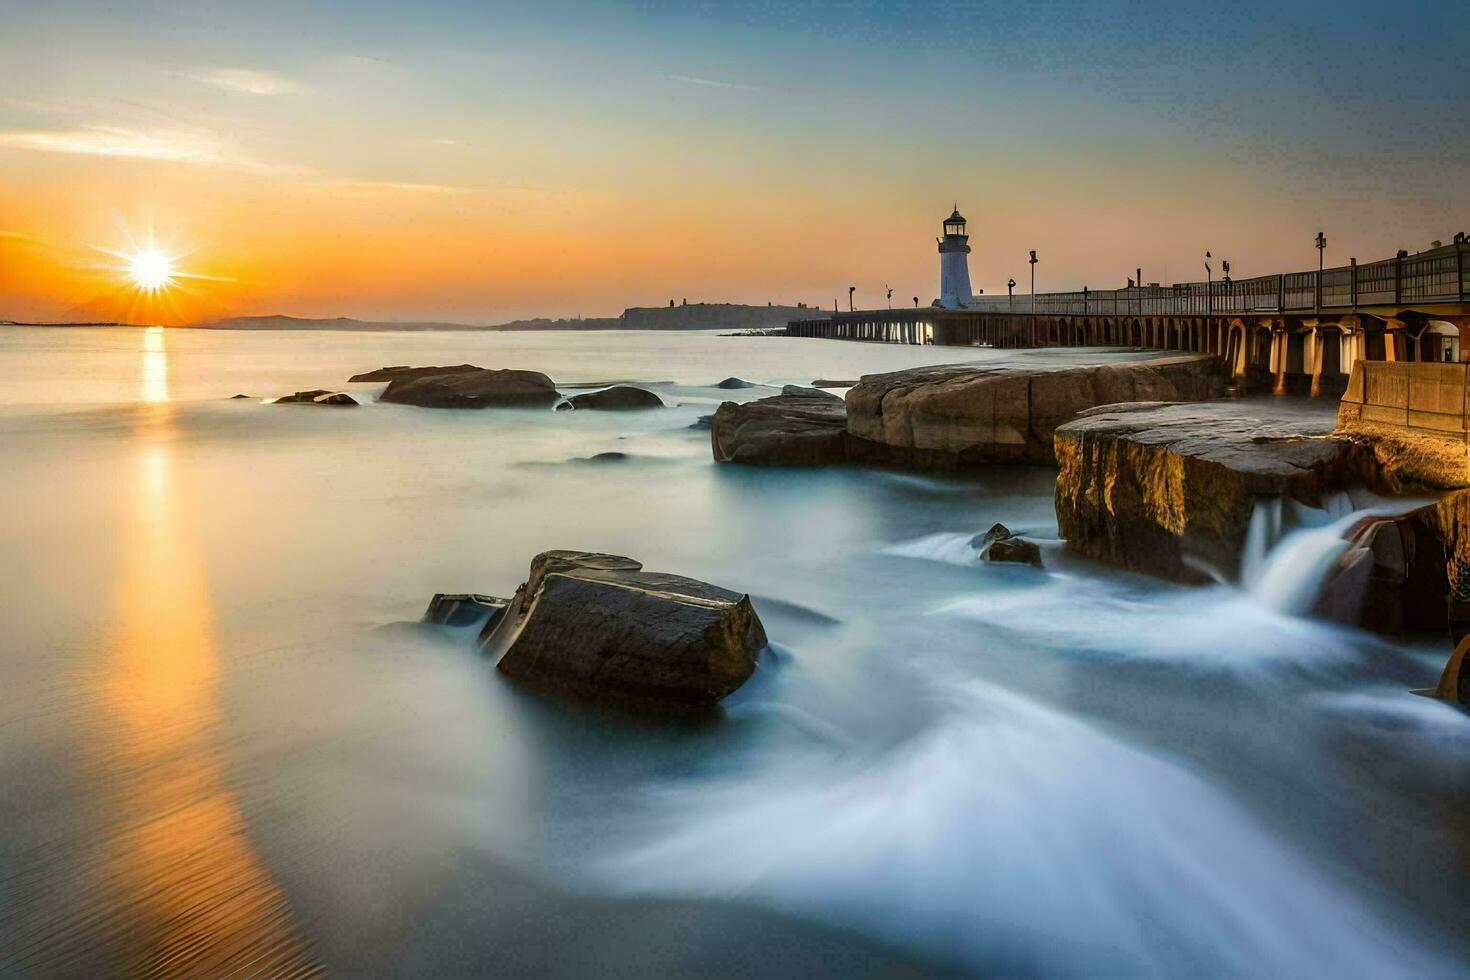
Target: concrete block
1437, 421
1354, 392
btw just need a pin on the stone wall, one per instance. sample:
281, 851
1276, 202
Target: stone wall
1416, 415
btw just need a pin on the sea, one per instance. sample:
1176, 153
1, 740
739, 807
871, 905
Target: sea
229, 745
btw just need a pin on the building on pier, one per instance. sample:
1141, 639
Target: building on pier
954, 264
1295, 332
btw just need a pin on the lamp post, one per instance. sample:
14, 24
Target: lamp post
1011, 293
1225, 269
890, 296
1139, 280
1033, 281
1321, 258
1209, 285
916, 302
850, 291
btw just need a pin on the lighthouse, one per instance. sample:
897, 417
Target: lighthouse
954, 264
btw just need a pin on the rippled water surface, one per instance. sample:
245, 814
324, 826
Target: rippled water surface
227, 745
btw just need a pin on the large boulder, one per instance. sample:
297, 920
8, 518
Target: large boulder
799, 427
1168, 489
958, 416
479, 388
616, 398
405, 373
599, 628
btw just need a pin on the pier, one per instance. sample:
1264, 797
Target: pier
1296, 332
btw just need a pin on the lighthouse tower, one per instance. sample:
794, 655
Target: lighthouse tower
954, 263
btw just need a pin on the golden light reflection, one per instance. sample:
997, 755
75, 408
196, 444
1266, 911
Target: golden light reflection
197, 899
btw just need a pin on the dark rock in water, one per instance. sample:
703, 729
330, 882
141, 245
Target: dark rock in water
1013, 549
599, 628
405, 373
1454, 682
233, 397
799, 427
703, 422
1168, 489
617, 398
316, 396
464, 609
607, 458
827, 383
997, 532
730, 383
960, 416
478, 388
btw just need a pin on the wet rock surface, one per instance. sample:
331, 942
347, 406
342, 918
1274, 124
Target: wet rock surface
616, 398
599, 628
315, 396
799, 427
405, 373
478, 388
464, 609
1168, 489
1002, 545
733, 383
958, 416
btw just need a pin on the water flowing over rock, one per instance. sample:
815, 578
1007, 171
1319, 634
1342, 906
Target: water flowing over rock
405, 373
599, 628
799, 427
1169, 489
616, 398
464, 609
478, 388
959, 416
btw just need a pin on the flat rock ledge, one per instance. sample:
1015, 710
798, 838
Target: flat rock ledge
598, 628
405, 373
475, 388
958, 416
1168, 489
799, 427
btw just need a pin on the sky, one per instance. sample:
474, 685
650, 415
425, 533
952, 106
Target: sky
477, 162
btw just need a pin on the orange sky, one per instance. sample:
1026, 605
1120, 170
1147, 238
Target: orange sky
473, 165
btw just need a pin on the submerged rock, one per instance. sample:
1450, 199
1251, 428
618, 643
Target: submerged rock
703, 422
1168, 489
316, 396
617, 398
799, 427
1013, 549
958, 416
609, 457
233, 397
478, 388
731, 383
405, 373
599, 628
464, 609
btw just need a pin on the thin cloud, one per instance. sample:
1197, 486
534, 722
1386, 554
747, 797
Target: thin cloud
448, 142
248, 80
177, 145
710, 82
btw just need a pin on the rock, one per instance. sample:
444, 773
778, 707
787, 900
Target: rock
1168, 489
479, 388
997, 532
730, 383
825, 383
405, 373
703, 422
617, 398
465, 609
607, 458
1454, 682
1013, 549
601, 629
233, 397
799, 427
958, 416
316, 396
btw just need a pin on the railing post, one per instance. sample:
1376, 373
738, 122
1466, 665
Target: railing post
1398, 278
1460, 269
1280, 293
1353, 271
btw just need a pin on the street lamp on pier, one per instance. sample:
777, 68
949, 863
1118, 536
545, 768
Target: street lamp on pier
1321, 258
1033, 281
1225, 269
1209, 285
890, 296
1011, 292
850, 291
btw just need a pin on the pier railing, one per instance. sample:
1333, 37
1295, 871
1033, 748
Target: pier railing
1441, 275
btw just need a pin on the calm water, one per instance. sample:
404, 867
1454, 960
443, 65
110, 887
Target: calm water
227, 745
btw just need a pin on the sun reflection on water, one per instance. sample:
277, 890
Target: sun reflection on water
198, 899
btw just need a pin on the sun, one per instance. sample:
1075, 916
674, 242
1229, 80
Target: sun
151, 269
